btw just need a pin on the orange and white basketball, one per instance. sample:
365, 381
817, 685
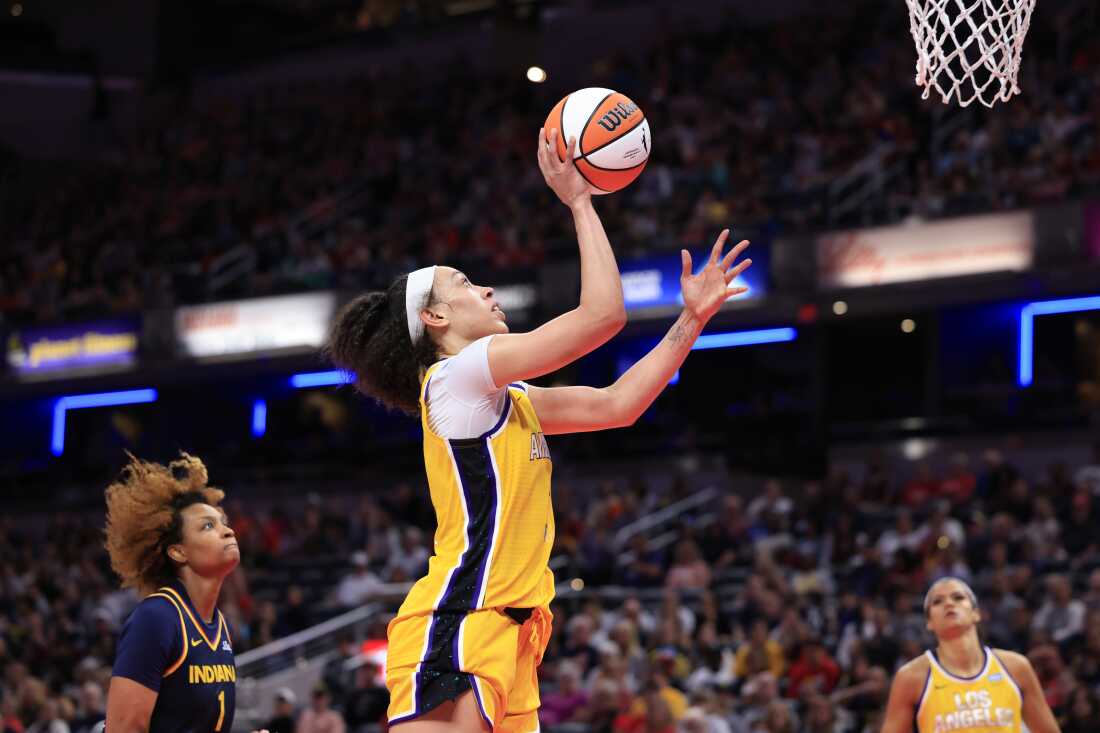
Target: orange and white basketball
612, 134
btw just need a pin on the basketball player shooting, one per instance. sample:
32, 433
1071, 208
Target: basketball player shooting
466, 643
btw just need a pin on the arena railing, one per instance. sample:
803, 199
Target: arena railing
284, 652
867, 179
295, 662
666, 515
229, 268
667, 538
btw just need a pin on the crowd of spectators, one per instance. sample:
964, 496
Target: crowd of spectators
790, 612
345, 184
780, 608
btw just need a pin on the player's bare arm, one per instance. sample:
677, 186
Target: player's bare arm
129, 706
1037, 714
905, 693
582, 409
600, 313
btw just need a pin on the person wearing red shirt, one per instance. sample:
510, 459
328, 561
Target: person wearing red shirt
921, 488
813, 669
960, 483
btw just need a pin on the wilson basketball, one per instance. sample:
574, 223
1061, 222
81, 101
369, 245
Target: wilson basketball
612, 134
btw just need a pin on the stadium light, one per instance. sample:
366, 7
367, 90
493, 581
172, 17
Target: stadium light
99, 399
1027, 328
744, 338
319, 379
259, 418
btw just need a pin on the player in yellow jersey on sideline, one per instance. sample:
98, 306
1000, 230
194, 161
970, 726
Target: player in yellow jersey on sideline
962, 685
465, 644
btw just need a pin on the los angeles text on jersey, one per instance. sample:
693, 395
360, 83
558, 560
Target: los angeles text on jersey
539, 448
974, 710
207, 674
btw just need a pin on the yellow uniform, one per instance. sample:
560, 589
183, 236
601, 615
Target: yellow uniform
987, 703
480, 619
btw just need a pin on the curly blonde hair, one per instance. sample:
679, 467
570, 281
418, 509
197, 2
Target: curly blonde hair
143, 517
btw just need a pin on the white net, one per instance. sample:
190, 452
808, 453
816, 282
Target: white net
969, 49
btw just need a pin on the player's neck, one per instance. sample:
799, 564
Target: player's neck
451, 344
962, 656
203, 593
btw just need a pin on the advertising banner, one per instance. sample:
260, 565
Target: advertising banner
966, 246
85, 347
257, 325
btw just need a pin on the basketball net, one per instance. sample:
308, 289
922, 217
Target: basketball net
969, 49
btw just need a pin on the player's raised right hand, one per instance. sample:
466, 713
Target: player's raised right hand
562, 176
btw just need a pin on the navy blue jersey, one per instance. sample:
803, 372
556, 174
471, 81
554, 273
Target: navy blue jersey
166, 646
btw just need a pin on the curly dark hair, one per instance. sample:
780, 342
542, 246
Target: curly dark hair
144, 517
370, 340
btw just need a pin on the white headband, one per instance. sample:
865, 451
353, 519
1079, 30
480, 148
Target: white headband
417, 288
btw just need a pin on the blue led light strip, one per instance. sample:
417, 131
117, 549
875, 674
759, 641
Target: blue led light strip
259, 418
82, 401
319, 379
744, 338
1027, 328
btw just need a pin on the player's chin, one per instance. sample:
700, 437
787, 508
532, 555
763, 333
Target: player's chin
953, 623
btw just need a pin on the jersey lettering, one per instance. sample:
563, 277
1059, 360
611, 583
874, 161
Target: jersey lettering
985, 703
977, 719
207, 674
539, 448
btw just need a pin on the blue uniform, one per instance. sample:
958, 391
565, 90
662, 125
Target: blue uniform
166, 646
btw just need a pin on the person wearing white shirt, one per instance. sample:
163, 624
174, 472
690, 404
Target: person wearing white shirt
1089, 476
903, 535
1061, 615
359, 585
411, 556
942, 524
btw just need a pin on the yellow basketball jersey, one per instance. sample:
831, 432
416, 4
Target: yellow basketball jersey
987, 703
495, 520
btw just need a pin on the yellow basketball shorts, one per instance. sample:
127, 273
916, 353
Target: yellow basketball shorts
433, 658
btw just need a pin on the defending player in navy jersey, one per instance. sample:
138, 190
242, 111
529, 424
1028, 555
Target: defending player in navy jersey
168, 538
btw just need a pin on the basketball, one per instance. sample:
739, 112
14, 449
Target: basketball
613, 139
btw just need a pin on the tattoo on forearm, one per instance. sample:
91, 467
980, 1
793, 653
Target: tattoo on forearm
677, 334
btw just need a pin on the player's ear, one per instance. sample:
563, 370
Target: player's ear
176, 554
436, 317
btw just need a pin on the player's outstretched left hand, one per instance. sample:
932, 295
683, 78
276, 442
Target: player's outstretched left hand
705, 293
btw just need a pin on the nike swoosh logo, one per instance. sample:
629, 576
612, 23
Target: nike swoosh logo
939, 687
196, 642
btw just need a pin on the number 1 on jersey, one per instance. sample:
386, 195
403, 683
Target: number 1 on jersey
221, 711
